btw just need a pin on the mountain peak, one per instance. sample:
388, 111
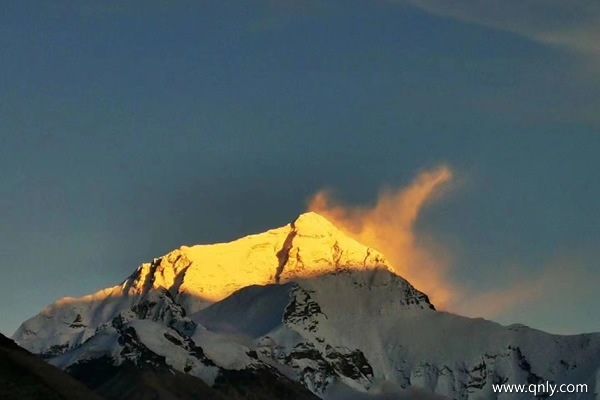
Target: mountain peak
313, 222
309, 246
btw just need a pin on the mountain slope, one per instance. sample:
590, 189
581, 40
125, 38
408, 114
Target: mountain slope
295, 312
358, 328
24, 376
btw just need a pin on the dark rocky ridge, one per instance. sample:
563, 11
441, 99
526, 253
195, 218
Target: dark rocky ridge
24, 376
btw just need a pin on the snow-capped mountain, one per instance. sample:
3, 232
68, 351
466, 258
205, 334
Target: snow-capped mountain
303, 307
191, 278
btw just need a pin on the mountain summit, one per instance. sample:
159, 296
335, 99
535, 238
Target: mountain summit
302, 311
309, 246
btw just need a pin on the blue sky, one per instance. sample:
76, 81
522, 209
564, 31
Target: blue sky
129, 130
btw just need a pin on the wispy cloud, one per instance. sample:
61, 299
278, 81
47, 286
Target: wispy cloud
574, 25
389, 227
563, 287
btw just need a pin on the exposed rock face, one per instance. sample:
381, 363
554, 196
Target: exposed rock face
158, 305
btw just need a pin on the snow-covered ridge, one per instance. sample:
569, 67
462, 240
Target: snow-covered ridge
200, 275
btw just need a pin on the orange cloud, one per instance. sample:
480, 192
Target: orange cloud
389, 227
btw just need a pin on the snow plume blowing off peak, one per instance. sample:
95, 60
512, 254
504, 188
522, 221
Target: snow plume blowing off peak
389, 227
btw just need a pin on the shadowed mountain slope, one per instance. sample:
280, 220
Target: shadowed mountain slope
24, 376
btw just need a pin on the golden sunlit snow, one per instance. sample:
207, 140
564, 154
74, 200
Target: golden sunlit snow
309, 246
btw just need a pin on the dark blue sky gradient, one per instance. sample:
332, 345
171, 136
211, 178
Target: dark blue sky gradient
129, 130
